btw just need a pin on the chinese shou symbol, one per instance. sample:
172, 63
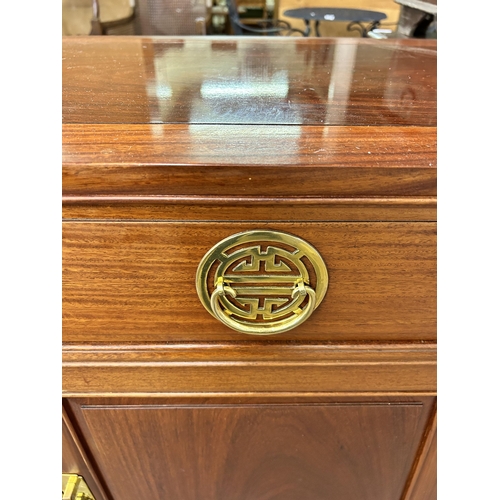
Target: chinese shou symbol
262, 282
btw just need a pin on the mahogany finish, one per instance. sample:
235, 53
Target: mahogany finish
75, 459
247, 80
424, 481
250, 369
316, 449
169, 146
225, 208
114, 145
140, 160
140, 285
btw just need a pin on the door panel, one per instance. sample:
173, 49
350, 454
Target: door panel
308, 451
75, 460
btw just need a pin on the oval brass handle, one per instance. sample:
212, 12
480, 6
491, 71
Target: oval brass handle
261, 282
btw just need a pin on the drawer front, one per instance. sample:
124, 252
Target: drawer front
135, 281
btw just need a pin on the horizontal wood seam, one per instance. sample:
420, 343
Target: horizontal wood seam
103, 364
253, 394
239, 200
69, 164
262, 346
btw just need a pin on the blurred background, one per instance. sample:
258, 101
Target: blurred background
404, 18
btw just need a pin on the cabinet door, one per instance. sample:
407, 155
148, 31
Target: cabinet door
75, 459
349, 449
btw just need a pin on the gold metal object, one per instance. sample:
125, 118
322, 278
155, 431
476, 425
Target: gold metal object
262, 282
74, 487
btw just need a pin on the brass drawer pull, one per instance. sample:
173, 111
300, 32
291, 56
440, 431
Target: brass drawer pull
262, 282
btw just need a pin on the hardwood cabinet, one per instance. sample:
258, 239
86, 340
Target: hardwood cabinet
179, 147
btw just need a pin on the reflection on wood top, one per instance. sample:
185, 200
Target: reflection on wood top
249, 80
273, 117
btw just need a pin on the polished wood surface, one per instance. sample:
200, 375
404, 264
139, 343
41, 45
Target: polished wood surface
249, 118
171, 145
75, 459
225, 208
285, 450
225, 146
135, 281
217, 160
247, 80
203, 208
249, 369
423, 483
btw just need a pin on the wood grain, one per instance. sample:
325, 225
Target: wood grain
170, 145
231, 208
217, 160
249, 80
135, 281
423, 483
135, 124
249, 369
75, 459
309, 450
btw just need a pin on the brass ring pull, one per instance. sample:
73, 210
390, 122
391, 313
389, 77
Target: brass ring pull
300, 315
262, 282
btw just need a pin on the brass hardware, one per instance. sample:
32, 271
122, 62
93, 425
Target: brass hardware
261, 282
74, 487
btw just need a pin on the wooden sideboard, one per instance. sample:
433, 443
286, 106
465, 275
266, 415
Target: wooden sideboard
172, 145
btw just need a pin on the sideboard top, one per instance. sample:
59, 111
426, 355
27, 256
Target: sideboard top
248, 117
249, 80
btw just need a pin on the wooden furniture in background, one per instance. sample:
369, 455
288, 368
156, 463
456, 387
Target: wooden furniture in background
172, 17
171, 145
141, 17
113, 27
415, 17
77, 15
110, 17
266, 25
248, 7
